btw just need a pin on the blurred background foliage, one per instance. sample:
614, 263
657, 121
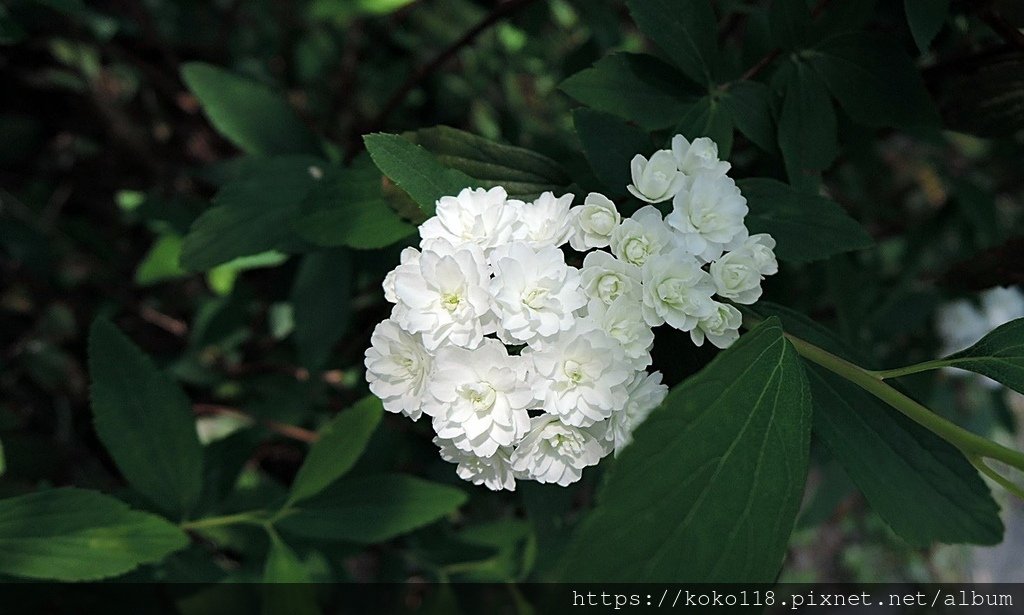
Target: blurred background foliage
107, 159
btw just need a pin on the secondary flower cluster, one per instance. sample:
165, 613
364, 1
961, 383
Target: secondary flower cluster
531, 368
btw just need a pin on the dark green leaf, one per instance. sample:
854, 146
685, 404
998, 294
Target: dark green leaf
925, 18
609, 144
790, 21
714, 476
925, 489
320, 297
252, 214
524, 174
372, 509
807, 121
639, 88
3, 460
251, 116
341, 442
286, 584
874, 81
999, 355
415, 170
708, 117
805, 226
685, 30
749, 104
77, 535
282, 565
144, 420
986, 97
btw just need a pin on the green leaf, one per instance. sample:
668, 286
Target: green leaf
252, 214
925, 18
342, 441
523, 173
372, 509
221, 279
251, 116
144, 420
161, 262
415, 170
3, 460
708, 117
790, 22
321, 299
685, 30
874, 81
77, 535
286, 584
282, 565
805, 226
999, 355
636, 87
922, 487
609, 144
807, 121
346, 208
714, 476
749, 104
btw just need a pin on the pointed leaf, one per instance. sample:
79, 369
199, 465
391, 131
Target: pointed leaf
77, 535
372, 509
685, 30
925, 18
714, 476
144, 420
321, 297
999, 355
749, 104
251, 116
415, 170
807, 121
342, 441
609, 144
708, 118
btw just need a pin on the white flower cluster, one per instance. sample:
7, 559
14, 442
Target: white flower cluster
962, 323
531, 368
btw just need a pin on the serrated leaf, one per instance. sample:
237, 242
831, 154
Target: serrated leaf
807, 121
609, 144
524, 174
321, 300
714, 476
999, 355
372, 509
874, 81
749, 104
347, 208
922, 487
415, 170
78, 535
636, 87
144, 420
252, 214
249, 114
806, 227
685, 30
341, 442
708, 117
925, 18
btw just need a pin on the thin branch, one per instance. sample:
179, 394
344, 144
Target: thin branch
502, 10
284, 429
1003, 28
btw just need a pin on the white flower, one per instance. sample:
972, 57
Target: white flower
581, 375
623, 321
479, 397
606, 278
535, 292
481, 217
761, 247
737, 276
409, 256
642, 235
545, 222
700, 155
553, 452
646, 392
722, 328
494, 472
1001, 305
397, 369
657, 179
593, 222
676, 291
444, 296
708, 214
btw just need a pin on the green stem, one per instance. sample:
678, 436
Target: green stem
971, 444
910, 369
1012, 487
253, 517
